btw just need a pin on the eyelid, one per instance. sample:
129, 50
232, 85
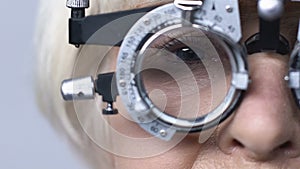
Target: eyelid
191, 38
179, 35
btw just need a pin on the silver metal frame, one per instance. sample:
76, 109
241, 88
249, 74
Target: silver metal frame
293, 76
222, 18
224, 22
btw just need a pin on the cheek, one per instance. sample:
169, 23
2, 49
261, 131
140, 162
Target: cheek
183, 155
146, 150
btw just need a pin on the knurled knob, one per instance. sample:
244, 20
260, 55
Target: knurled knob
78, 3
78, 89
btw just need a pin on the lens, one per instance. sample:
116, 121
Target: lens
184, 72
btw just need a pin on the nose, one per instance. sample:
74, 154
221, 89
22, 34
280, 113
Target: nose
266, 124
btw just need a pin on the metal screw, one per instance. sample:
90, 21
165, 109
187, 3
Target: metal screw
122, 83
80, 94
286, 78
147, 22
109, 110
141, 119
229, 8
163, 133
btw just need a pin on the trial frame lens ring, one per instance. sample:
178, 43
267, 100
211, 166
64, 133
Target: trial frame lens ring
140, 107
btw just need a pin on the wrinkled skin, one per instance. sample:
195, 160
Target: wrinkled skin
264, 131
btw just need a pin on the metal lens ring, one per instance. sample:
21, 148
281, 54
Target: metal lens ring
154, 34
294, 73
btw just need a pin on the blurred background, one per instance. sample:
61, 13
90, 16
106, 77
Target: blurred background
27, 140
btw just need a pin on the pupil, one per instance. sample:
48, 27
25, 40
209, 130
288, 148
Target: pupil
186, 54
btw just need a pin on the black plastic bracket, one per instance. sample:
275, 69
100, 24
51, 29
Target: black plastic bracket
268, 39
82, 30
78, 13
106, 86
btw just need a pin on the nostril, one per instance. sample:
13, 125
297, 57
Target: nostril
289, 149
237, 144
287, 145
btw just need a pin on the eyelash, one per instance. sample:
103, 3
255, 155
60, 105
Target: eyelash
177, 47
183, 52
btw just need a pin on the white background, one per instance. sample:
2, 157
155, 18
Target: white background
27, 140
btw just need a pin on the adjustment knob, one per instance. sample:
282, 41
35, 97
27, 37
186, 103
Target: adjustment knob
78, 89
78, 3
270, 10
109, 110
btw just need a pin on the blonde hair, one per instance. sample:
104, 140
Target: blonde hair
55, 61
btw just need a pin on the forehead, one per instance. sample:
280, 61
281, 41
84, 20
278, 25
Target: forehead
248, 11
249, 3
244, 4
248, 8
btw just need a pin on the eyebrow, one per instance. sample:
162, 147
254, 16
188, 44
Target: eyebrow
146, 3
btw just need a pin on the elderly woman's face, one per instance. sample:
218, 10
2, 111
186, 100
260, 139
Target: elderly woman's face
264, 131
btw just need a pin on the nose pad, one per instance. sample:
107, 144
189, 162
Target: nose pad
268, 38
266, 125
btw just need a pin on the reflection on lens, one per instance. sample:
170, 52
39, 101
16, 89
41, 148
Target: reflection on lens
185, 72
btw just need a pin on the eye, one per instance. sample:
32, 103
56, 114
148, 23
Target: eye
187, 54
184, 52
180, 66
